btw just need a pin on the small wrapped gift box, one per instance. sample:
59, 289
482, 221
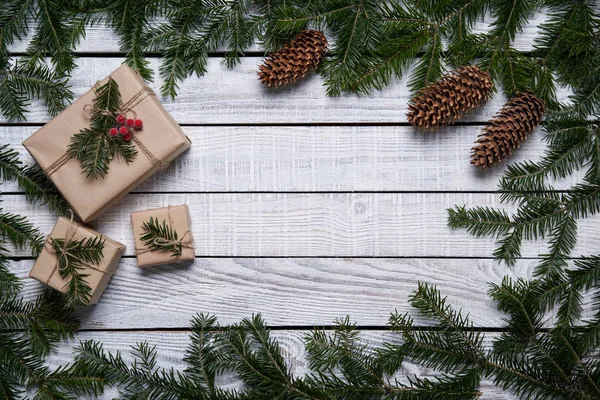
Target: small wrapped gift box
46, 267
159, 249
159, 142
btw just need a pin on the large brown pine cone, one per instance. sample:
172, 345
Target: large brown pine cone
508, 129
295, 60
451, 97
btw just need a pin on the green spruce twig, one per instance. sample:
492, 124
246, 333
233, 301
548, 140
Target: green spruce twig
29, 331
161, 237
93, 147
73, 256
32, 180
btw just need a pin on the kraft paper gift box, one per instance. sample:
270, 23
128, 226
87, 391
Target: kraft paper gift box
46, 270
89, 197
178, 218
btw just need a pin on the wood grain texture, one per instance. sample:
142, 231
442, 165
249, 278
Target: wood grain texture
288, 292
171, 346
315, 224
322, 159
235, 96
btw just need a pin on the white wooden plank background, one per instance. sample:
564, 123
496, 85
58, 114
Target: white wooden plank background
324, 159
305, 208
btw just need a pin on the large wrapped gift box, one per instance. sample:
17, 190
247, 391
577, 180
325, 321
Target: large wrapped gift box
89, 197
178, 219
46, 268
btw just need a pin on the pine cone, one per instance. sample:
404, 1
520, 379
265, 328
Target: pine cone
451, 97
508, 129
295, 60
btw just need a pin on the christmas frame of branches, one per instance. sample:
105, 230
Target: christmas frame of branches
373, 43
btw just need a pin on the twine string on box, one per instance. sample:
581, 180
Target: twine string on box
63, 252
127, 107
187, 243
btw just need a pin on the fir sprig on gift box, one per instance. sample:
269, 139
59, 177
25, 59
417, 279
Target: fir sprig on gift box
72, 258
95, 147
161, 237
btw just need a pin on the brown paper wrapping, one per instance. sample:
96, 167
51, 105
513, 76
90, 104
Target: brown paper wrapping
179, 219
90, 197
98, 278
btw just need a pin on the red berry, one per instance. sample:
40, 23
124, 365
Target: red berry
127, 137
130, 122
121, 119
123, 130
138, 124
113, 132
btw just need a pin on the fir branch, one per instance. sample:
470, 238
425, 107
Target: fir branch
54, 36
568, 39
45, 321
405, 31
161, 237
586, 99
9, 284
452, 348
360, 370
480, 221
137, 380
176, 40
257, 359
130, 19
72, 257
13, 24
29, 331
10, 165
509, 18
20, 232
38, 188
93, 147
24, 81
357, 34
429, 68
202, 354
541, 212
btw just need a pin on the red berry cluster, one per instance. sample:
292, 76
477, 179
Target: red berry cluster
125, 127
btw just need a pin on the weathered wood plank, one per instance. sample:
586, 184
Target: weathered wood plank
235, 96
321, 158
316, 224
288, 292
171, 346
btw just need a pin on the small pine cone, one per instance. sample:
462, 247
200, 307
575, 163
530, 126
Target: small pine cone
508, 129
451, 97
295, 60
